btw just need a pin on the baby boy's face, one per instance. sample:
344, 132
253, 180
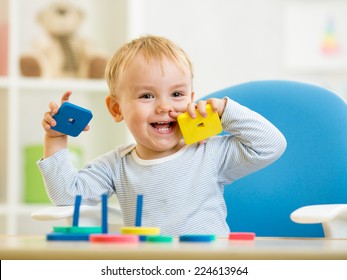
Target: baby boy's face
150, 98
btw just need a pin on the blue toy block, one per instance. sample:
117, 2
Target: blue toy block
76, 213
197, 238
71, 119
104, 217
138, 217
59, 236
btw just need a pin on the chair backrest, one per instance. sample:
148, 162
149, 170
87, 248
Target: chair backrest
313, 169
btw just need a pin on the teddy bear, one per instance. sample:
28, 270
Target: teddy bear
62, 53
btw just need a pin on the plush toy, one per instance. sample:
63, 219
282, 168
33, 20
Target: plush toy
62, 53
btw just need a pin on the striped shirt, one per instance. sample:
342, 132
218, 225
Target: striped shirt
183, 192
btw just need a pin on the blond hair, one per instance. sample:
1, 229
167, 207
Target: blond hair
151, 47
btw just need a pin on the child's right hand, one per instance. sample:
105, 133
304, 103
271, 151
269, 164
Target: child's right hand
48, 121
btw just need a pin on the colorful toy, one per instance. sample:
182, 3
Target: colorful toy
197, 238
76, 229
114, 238
200, 128
76, 212
71, 119
73, 233
105, 237
128, 234
104, 225
138, 218
143, 232
59, 236
140, 230
159, 239
241, 236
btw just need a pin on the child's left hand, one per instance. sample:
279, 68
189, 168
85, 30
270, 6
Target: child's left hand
218, 105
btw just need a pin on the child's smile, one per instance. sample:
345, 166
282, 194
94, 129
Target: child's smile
164, 127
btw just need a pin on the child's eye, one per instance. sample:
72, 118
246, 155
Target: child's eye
146, 96
177, 94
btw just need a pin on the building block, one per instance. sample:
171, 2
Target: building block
197, 238
159, 239
76, 212
73, 229
200, 128
104, 217
71, 119
241, 236
138, 217
140, 230
60, 236
114, 238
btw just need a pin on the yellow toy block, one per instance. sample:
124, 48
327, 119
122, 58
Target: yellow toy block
195, 130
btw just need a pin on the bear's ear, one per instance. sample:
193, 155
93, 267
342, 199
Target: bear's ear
39, 16
79, 12
66, 6
45, 13
114, 108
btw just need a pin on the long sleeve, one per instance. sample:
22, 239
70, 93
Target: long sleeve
63, 181
253, 142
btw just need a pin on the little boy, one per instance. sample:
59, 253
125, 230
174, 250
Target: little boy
150, 82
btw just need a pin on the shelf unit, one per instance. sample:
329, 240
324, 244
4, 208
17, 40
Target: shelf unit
23, 102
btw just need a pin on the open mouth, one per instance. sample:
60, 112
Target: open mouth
164, 126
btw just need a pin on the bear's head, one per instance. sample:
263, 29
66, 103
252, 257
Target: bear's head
60, 19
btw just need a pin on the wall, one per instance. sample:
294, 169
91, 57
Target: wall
229, 41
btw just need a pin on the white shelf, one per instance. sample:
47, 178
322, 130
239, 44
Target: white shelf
56, 84
24, 101
3, 208
25, 208
62, 84
4, 82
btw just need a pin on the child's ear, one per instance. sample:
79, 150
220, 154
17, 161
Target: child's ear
113, 107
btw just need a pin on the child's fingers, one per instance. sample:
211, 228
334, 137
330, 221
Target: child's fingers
191, 110
218, 105
86, 128
48, 119
174, 114
46, 125
53, 107
214, 102
66, 96
202, 108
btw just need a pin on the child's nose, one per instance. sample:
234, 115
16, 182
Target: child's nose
164, 108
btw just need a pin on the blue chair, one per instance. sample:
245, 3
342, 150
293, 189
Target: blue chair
309, 182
